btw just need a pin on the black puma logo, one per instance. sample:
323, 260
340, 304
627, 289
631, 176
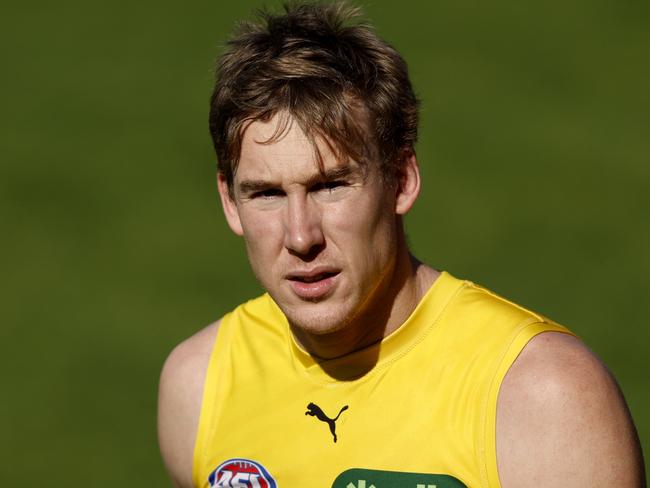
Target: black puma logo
315, 411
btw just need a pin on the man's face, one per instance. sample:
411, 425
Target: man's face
321, 242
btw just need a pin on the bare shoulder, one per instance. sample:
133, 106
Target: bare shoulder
179, 402
562, 420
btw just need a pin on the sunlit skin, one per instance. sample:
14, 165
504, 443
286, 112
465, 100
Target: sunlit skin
326, 243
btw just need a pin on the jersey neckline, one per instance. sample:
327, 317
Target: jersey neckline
359, 364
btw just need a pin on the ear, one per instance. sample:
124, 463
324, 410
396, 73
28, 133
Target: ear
229, 206
408, 182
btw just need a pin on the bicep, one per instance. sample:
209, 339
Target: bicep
562, 420
179, 403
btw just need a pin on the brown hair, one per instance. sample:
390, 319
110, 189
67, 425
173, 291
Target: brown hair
321, 69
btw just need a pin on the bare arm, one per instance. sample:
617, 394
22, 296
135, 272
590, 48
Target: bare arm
179, 403
562, 421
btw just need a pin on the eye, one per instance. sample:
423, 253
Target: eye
268, 193
329, 186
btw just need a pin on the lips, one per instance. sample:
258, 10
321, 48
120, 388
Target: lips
311, 278
314, 284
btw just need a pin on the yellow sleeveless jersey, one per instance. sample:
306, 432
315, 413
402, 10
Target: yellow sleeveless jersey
417, 410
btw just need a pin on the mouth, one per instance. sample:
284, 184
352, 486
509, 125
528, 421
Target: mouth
313, 284
312, 278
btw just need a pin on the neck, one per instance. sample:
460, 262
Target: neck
401, 291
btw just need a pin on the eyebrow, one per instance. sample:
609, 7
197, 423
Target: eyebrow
252, 186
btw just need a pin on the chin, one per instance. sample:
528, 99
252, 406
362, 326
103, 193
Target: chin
317, 318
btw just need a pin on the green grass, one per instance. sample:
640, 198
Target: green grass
534, 150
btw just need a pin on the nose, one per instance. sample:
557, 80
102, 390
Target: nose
303, 227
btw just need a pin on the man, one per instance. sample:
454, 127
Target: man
362, 366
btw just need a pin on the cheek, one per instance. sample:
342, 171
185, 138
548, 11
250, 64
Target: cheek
363, 230
367, 217
262, 235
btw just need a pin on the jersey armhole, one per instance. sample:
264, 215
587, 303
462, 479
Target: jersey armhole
487, 442
208, 406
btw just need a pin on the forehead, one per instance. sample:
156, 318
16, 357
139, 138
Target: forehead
278, 148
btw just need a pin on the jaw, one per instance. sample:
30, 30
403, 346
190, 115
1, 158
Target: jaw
347, 321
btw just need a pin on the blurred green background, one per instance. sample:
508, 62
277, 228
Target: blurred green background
535, 150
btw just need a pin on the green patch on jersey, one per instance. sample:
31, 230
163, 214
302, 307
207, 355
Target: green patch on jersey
371, 478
